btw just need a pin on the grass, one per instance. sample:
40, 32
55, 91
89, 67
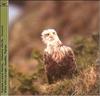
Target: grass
84, 83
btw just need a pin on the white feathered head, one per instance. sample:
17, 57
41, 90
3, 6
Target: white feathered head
50, 37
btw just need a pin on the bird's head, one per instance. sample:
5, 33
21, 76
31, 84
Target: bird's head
49, 36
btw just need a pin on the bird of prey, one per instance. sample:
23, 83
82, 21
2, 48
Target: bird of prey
59, 59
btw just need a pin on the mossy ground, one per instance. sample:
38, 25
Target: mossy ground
84, 83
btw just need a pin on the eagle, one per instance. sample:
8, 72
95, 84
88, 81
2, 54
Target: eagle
59, 60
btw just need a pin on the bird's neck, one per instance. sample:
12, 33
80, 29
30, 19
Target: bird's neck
55, 44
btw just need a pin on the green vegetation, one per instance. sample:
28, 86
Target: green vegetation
85, 83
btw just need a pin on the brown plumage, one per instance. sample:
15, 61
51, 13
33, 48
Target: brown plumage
59, 60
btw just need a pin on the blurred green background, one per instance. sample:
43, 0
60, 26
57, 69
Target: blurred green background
77, 25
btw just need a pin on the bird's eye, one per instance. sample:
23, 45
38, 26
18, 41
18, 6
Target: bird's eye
53, 32
47, 34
